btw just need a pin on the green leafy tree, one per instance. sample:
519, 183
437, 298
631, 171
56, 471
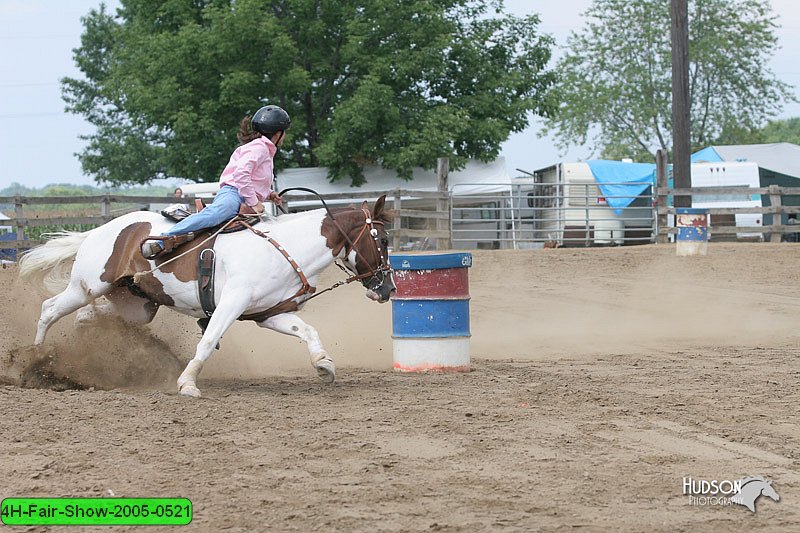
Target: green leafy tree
776, 131
17, 188
390, 82
782, 131
615, 85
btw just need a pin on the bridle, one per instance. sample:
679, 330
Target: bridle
378, 273
376, 276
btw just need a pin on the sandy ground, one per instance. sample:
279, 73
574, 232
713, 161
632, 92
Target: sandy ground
601, 378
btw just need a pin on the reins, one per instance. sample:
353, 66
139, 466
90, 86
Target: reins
368, 222
328, 209
290, 304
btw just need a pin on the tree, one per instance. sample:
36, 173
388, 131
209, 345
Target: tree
776, 131
614, 82
391, 82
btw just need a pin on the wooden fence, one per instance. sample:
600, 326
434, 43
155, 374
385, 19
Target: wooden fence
419, 216
776, 208
430, 208
422, 215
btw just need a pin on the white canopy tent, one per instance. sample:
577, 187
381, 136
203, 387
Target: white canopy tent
783, 158
4, 229
475, 178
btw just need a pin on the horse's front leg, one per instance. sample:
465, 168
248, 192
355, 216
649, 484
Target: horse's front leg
291, 324
229, 309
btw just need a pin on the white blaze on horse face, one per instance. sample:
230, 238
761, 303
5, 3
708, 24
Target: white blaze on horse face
351, 263
351, 259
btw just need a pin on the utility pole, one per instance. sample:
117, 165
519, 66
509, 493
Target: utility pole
681, 163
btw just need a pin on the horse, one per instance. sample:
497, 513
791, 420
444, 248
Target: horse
264, 274
752, 488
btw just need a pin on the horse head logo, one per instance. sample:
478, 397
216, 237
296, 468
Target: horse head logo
752, 488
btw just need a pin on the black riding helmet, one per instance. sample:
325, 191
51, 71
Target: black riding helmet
271, 119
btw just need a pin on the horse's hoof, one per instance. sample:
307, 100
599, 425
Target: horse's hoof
189, 390
326, 370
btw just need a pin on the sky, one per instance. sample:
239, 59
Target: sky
39, 140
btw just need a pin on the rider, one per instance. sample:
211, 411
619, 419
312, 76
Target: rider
247, 179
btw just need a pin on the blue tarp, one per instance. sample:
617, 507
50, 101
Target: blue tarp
622, 182
707, 155
8, 254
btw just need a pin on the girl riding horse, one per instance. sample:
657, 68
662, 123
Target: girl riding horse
246, 180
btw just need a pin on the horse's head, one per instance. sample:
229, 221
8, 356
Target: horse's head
359, 235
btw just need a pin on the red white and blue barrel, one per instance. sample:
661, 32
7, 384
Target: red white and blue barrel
691, 231
430, 312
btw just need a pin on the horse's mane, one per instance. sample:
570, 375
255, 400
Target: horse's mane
271, 219
385, 216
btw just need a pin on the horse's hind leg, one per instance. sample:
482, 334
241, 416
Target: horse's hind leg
291, 324
74, 297
122, 304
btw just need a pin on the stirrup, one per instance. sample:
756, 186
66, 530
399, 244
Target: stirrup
151, 250
169, 243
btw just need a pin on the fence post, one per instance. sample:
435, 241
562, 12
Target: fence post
775, 200
396, 223
443, 202
588, 241
19, 227
662, 200
105, 208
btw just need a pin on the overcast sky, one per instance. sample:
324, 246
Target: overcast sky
38, 140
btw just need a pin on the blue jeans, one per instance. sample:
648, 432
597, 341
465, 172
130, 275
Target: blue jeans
224, 207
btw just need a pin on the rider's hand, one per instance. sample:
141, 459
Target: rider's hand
275, 198
259, 207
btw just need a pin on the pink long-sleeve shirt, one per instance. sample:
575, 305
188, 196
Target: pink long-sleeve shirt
250, 170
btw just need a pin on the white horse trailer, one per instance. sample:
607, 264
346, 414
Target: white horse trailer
722, 174
564, 203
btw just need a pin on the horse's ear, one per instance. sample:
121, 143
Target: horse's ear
377, 211
365, 205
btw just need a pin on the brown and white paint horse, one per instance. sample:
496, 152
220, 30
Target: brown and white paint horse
251, 275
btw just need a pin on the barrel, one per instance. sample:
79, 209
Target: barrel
691, 226
430, 312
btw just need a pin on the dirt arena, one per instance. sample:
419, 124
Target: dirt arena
601, 378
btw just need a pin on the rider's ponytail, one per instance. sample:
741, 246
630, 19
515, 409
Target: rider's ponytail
246, 131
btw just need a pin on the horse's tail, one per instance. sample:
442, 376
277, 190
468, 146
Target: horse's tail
49, 266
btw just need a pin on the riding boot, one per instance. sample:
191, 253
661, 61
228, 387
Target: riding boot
154, 247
